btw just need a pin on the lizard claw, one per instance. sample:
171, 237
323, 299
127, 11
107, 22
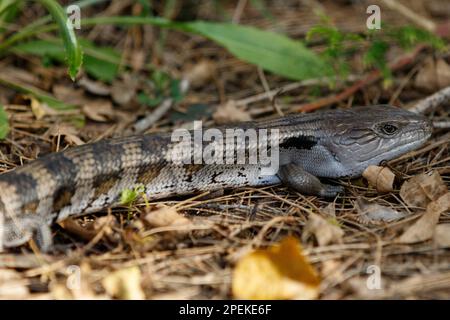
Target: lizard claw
17, 231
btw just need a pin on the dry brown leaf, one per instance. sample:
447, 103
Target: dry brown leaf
124, 284
95, 87
165, 216
381, 178
279, 272
434, 75
424, 228
229, 113
138, 61
423, 188
329, 210
442, 235
123, 91
69, 132
443, 73
374, 213
200, 73
90, 230
98, 110
68, 94
325, 231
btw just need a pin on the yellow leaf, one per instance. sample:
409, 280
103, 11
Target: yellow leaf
124, 284
279, 272
40, 109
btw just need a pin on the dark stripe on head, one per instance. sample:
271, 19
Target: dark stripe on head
301, 142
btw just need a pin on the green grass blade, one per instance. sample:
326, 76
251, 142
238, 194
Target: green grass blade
102, 63
73, 49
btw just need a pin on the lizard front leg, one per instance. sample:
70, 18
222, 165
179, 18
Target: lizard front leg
295, 177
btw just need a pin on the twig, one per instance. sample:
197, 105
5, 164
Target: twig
145, 123
411, 15
441, 124
433, 101
289, 87
238, 11
266, 87
371, 78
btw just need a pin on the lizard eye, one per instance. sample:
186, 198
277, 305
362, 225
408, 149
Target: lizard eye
389, 129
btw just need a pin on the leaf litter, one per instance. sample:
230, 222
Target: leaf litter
191, 255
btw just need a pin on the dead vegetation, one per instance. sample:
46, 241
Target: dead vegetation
187, 248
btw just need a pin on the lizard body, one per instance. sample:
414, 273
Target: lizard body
91, 177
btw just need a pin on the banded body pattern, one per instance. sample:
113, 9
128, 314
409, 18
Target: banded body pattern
91, 177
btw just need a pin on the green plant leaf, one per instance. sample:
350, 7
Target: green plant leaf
8, 11
101, 63
408, 36
271, 51
72, 47
4, 123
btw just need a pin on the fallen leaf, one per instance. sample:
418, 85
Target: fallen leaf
422, 189
381, 178
324, 231
229, 113
424, 228
200, 73
443, 73
138, 61
123, 91
433, 75
95, 87
40, 109
279, 272
165, 216
442, 235
329, 210
91, 229
98, 110
124, 284
374, 212
69, 94
69, 132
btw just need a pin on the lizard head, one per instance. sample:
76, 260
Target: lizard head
366, 136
